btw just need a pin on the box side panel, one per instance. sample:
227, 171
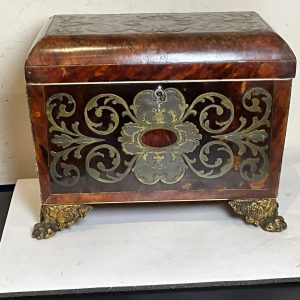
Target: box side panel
39, 123
281, 101
114, 143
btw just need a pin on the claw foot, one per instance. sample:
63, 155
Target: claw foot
57, 217
44, 230
260, 212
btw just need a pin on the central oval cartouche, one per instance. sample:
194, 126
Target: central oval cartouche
159, 138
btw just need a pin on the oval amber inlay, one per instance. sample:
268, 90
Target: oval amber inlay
159, 138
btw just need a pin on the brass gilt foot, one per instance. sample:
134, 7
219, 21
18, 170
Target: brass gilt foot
57, 217
262, 212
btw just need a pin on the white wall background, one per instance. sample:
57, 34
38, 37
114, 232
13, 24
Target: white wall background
21, 20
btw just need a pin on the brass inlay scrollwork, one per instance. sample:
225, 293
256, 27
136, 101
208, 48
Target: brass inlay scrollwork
71, 141
248, 137
168, 164
225, 104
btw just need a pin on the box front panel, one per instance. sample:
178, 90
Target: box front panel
159, 141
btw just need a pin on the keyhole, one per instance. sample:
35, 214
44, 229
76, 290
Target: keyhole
159, 95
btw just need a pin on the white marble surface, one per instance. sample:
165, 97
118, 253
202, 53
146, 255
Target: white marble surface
137, 245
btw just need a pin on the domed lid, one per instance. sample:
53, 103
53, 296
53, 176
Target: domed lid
188, 46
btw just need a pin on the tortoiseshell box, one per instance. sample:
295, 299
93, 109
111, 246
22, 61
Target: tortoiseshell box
158, 107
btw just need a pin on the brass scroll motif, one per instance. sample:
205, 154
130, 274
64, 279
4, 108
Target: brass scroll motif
168, 164
71, 141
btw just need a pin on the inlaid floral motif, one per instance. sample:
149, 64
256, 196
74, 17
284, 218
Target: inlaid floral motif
155, 164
